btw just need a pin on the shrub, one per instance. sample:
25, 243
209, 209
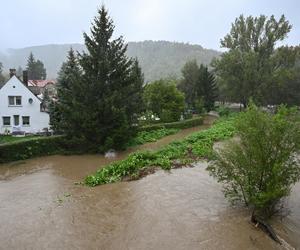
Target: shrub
261, 166
41, 146
223, 111
21, 150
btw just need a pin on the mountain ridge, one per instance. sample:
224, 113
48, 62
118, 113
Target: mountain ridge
158, 59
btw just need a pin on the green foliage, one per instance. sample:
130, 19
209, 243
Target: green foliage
199, 106
189, 83
197, 145
9, 138
199, 87
151, 136
31, 147
100, 91
253, 67
261, 165
35, 146
174, 125
207, 88
164, 100
223, 111
111, 85
35, 68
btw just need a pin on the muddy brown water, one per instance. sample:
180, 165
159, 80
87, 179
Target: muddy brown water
42, 208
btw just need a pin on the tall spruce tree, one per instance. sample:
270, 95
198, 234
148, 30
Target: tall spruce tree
35, 68
65, 112
100, 106
207, 87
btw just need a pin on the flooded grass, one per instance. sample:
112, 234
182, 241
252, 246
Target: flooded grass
181, 152
151, 136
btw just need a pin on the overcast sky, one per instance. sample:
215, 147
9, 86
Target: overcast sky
26, 23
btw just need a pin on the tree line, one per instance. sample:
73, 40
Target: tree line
34, 67
254, 66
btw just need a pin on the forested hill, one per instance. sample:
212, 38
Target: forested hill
158, 59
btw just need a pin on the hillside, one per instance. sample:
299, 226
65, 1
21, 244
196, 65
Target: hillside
158, 59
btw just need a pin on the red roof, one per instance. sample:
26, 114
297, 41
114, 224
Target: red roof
40, 83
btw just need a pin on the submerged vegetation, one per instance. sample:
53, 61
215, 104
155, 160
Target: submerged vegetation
197, 145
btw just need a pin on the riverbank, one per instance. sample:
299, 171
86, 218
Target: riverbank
178, 209
29, 147
176, 154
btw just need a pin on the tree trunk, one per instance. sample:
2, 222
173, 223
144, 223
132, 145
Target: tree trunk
259, 222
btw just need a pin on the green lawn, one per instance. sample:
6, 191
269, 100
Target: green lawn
9, 138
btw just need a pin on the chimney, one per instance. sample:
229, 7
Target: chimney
12, 72
25, 77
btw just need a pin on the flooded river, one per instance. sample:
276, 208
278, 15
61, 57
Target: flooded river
41, 207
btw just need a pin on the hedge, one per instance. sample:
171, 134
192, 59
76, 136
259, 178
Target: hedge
41, 146
179, 125
21, 150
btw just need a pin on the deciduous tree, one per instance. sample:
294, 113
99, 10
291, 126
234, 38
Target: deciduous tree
248, 67
164, 100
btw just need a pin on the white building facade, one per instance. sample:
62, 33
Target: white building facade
20, 109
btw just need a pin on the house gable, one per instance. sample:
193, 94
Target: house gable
20, 109
15, 87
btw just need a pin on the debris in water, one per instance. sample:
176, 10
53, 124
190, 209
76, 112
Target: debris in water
110, 154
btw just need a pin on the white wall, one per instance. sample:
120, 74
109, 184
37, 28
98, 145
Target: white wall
38, 120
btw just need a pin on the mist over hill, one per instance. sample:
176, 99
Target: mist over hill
158, 59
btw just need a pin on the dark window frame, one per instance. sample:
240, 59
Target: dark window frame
15, 100
3, 120
27, 123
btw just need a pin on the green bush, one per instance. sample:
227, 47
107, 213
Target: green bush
223, 111
262, 165
39, 146
176, 125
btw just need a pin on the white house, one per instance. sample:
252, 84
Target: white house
20, 109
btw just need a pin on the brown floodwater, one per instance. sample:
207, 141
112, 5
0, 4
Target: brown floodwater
42, 208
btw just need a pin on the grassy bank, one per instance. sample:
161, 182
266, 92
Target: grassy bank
151, 136
193, 122
21, 148
10, 139
197, 145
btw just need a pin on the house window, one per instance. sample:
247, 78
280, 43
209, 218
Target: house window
15, 100
6, 120
16, 120
26, 120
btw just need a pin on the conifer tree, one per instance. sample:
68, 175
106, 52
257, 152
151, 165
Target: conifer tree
207, 87
65, 113
198, 85
100, 93
112, 83
35, 68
